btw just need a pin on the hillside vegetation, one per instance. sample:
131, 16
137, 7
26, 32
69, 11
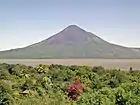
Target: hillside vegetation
48, 85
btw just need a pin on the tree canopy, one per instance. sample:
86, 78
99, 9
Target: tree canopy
53, 84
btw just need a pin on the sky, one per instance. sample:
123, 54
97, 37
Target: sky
24, 22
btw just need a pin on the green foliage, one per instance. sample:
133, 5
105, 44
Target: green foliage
47, 85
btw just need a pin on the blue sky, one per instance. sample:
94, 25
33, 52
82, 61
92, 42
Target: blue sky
24, 22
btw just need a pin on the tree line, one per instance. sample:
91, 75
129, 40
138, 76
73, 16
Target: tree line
68, 85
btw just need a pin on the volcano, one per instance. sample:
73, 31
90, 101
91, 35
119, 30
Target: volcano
72, 42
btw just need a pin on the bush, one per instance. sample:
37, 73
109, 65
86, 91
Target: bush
49, 83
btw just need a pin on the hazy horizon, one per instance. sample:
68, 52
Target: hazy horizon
26, 22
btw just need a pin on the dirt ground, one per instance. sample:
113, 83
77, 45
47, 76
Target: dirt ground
107, 63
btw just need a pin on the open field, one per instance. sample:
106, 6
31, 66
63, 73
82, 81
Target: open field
107, 63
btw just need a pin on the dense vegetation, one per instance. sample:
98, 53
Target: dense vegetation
47, 85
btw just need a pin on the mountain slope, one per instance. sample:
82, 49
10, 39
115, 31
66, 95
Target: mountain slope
72, 42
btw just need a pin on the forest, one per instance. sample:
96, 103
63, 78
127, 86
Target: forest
68, 85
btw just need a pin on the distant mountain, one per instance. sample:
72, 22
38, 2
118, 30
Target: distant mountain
72, 42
